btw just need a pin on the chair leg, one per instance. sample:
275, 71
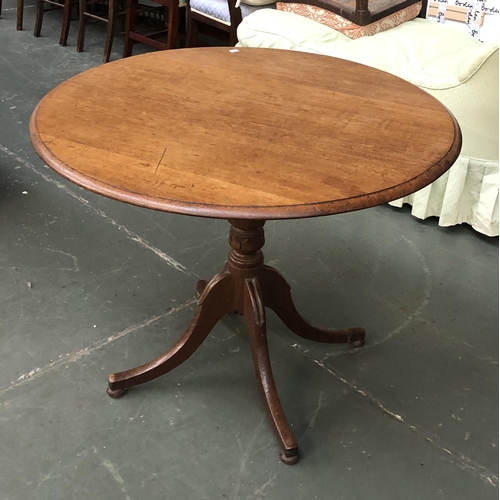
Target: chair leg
82, 8
182, 27
110, 33
40, 9
173, 24
63, 41
130, 24
20, 14
233, 38
188, 22
0, 9
192, 36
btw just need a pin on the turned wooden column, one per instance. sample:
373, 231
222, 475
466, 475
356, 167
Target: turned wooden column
245, 259
245, 286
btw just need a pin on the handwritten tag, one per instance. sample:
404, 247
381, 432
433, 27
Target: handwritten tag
441, 13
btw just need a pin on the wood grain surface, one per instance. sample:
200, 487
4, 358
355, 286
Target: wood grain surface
252, 134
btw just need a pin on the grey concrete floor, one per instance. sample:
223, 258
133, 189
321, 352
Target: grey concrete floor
90, 286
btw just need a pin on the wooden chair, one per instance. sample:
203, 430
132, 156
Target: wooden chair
89, 9
216, 18
133, 36
66, 5
19, 14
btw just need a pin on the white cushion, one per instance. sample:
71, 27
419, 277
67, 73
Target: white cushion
424, 52
449, 64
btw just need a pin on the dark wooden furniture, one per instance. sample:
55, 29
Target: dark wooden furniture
364, 12
39, 18
132, 35
66, 5
19, 14
245, 135
114, 10
212, 26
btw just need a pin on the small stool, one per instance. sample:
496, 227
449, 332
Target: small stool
172, 32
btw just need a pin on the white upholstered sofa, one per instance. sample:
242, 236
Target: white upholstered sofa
451, 65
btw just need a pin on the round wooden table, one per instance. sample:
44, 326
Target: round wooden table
247, 135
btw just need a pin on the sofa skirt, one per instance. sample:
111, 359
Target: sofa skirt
468, 192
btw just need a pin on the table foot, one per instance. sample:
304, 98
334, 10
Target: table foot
115, 394
215, 302
277, 296
200, 288
290, 459
255, 319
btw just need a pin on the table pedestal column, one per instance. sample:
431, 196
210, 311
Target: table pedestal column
246, 286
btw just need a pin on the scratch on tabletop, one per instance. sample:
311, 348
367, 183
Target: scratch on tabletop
159, 163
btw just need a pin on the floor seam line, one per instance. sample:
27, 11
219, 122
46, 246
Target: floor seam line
458, 459
70, 358
131, 235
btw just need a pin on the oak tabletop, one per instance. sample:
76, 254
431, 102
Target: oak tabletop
244, 133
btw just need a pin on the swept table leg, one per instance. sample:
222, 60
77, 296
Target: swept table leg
200, 287
255, 318
215, 302
276, 295
245, 286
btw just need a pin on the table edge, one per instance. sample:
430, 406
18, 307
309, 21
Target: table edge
248, 212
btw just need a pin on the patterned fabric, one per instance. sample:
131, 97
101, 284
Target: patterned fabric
346, 27
348, 7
